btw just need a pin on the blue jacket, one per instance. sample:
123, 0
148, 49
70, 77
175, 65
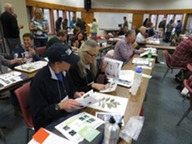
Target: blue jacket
20, 49
46, 91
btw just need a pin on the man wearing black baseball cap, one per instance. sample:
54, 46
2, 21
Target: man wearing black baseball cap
52, 91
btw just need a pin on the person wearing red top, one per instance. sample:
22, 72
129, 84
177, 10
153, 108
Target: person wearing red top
183, 53
182, 56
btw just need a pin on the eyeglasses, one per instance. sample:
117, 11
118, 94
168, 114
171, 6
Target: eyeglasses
92, 55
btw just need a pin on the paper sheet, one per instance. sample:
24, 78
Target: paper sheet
126, 78
106, 116
153, 50
79, 127
9, 78
87, 99
141, 61
146, 76
113, 67
110, 103
31, 67
111, 86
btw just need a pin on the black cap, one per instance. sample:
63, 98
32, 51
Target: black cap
61, 52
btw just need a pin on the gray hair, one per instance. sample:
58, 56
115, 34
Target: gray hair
129, 33
87, 46
7, 6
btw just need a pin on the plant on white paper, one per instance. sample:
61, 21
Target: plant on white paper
109, 102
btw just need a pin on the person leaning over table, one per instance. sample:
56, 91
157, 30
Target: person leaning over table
141, 36
52, 91
78, 40
27, 49
60, 37
11, 64
85, 72
125, 48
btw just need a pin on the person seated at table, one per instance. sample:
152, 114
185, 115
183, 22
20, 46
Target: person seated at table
141, 36
78, 40
60, 37
182, 56
125, 48
11, 64
27, 49
84, 73
52, 91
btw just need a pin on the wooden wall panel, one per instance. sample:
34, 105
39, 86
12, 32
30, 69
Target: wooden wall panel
137, 20
88, 18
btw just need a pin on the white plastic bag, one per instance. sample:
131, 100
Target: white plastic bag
132, 129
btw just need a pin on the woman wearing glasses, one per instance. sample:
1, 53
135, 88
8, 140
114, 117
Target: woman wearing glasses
85, 72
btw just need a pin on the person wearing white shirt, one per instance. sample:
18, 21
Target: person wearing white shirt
140, 37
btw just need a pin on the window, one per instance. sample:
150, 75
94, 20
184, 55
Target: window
160, 18
169, 17
47, 17
153, 19
60, 13
189, 24
55, 15
178, 17
71, 14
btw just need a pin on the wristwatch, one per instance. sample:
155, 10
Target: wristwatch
57, 107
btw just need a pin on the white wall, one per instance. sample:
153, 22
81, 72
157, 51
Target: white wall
76, 3
143, 4
21, 11
127, 4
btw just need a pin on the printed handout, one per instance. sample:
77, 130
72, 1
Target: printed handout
126, 78
142, 62
87, 99
110, 86
153, 50
31, 67
112, 67
106, 116
11, 77
79, 127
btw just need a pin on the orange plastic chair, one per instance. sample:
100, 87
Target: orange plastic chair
169, 66
23, 94
186, 84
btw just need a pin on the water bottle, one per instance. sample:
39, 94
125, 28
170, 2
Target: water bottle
111, 134
150, 54
137, 80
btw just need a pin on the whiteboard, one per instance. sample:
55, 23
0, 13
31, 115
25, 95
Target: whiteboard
112, 20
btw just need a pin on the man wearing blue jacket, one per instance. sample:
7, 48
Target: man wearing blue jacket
52, 91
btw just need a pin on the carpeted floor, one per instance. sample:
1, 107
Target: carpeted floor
162, 111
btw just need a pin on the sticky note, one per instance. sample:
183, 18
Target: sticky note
40, 135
